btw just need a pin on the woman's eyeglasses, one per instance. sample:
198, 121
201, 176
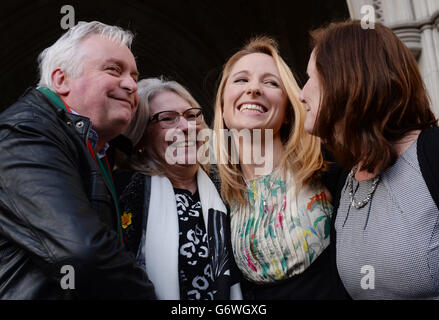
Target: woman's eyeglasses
169, 119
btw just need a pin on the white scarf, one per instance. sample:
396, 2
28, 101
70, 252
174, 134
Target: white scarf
162, 239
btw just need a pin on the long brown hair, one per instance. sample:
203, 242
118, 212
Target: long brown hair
301, 155
372, 93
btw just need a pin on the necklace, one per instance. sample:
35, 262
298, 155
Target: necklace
362, 203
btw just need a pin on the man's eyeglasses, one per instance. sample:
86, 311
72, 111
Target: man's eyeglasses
169, 119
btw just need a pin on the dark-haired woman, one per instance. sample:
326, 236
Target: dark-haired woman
366, 99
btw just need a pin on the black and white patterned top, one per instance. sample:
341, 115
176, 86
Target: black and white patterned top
195, 270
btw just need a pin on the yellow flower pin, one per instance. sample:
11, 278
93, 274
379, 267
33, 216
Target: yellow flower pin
126, 219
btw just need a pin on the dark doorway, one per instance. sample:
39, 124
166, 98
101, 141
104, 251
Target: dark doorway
184, 40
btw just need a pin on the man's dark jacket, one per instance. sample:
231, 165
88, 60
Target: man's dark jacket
56, 210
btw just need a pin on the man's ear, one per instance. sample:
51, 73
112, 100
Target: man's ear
60, 82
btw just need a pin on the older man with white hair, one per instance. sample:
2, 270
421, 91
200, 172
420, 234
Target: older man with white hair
60, 230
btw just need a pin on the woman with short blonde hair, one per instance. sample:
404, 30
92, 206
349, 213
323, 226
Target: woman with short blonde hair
142, 160
174, 219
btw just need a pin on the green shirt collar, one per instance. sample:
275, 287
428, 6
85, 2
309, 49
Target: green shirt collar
53, 97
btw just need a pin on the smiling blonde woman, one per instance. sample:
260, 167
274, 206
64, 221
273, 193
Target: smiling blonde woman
279, 220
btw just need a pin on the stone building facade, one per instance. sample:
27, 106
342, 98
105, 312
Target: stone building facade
416, 22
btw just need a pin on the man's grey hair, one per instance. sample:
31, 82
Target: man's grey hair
64, 53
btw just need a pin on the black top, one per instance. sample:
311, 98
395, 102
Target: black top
193, 258
134, 189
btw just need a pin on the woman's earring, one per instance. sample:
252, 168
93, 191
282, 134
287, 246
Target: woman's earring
140, 151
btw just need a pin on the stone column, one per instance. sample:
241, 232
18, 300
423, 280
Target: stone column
416, 22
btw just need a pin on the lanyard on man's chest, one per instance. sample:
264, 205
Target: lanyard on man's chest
103, 166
